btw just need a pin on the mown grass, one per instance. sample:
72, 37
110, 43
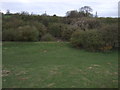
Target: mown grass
57, 65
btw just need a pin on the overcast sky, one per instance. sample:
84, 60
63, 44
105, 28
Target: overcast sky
104, 8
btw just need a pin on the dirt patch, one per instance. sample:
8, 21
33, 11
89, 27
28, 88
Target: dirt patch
21, 73
5, 73
50, 85
24, 78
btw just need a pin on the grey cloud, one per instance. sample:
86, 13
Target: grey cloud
61, 7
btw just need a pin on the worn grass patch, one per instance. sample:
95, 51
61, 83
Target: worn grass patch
57, 65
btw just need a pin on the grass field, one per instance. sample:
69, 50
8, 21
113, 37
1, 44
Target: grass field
57, 65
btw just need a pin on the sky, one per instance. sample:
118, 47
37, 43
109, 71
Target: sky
104, 8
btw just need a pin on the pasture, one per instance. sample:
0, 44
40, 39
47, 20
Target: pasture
57, 65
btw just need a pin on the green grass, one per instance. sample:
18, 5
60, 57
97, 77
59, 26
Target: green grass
57, 65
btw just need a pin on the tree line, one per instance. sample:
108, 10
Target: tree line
80, 28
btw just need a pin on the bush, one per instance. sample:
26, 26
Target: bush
68, 31
40, 27
28, 33
87, 23
93, 40
92, 23
55, 29
47, 37
110, 35
90, 40
9, 35
12, 22
63, 31
104, 39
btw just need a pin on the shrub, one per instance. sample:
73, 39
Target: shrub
77, 38
47, 37
110, 35
55, 29
92, 23
104, 39
28, 33
67, 32
87, 23
40, 27
9, 35
90, 40
63, 31
93, 40
13, 22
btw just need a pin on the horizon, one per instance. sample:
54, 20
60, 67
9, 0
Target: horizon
39, 7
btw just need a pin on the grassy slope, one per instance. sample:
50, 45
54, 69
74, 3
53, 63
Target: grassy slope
39, 65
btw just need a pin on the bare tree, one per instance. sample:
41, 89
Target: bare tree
72, 13
8, 12
86, 9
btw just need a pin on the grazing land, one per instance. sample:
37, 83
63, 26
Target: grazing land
57, 65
